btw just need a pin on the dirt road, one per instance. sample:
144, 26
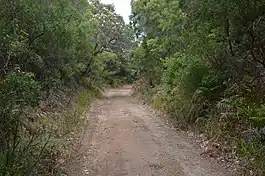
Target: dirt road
123, 138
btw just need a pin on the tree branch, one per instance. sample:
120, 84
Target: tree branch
227, 28
32, 39
252, 49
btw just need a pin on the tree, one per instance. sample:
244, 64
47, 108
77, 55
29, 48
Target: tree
200, 56
47, 46
112, 34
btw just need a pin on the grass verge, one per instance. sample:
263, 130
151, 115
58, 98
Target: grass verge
43, 138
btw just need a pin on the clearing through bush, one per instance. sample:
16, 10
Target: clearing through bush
124, 138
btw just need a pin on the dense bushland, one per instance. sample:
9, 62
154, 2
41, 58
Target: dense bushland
203, 63
49, 50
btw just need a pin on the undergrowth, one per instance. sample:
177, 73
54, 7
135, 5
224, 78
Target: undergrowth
41, 146
233, 122
206, 73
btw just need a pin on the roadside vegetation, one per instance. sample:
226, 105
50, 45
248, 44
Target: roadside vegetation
55, 57
203, 63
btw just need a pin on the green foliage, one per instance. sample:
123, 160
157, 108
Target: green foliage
36, 152
17, 92
48, 46
205, 61
184, 71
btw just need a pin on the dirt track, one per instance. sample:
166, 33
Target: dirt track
123, 138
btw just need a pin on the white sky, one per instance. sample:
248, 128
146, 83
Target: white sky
123, 7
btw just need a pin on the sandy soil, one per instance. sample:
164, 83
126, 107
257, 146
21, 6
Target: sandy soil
123, 138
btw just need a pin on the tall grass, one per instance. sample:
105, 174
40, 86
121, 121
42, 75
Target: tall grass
37, 147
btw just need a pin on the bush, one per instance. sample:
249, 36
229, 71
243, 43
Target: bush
36, 140
19, 93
